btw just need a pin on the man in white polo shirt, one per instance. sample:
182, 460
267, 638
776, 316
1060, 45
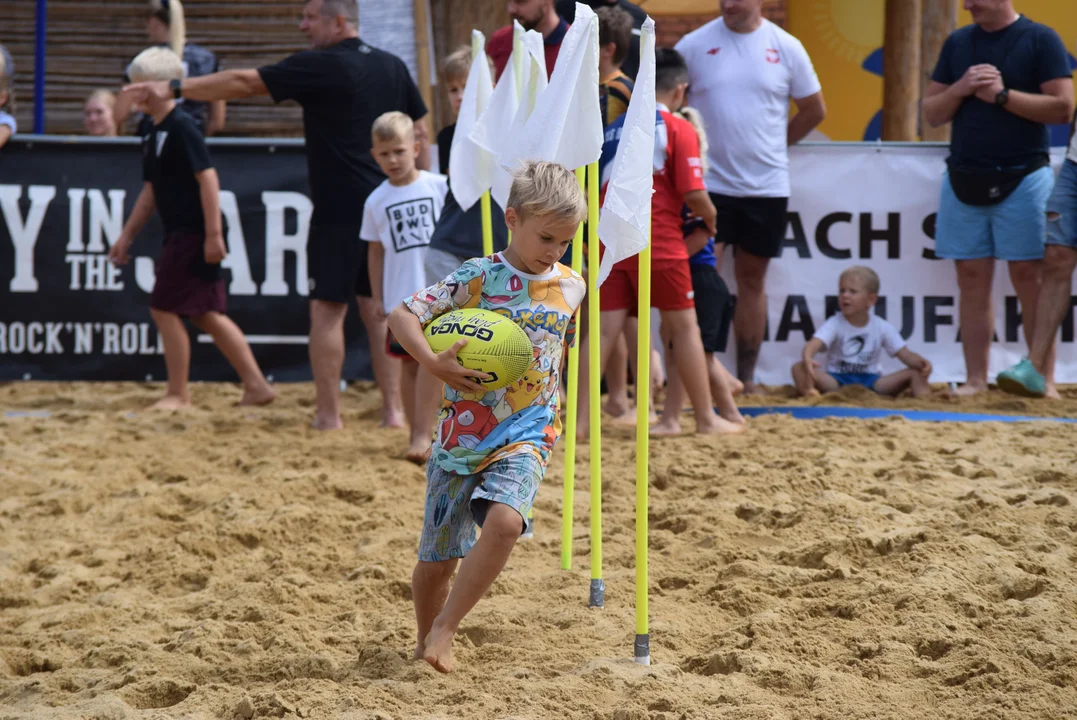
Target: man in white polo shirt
743, 69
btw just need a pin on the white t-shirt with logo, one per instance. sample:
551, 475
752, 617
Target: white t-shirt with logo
742, 84
402, 219
851, 349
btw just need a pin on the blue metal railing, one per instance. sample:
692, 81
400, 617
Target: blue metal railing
39, 68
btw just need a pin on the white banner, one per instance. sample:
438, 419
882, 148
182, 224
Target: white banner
875, 206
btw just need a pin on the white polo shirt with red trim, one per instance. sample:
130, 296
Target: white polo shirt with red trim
742, 84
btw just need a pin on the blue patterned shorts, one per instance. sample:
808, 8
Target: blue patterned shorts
456, 504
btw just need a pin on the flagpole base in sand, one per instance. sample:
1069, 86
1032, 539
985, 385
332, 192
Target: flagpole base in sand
598, 594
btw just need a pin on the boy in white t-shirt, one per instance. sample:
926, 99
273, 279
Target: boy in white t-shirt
398, 220
855, 340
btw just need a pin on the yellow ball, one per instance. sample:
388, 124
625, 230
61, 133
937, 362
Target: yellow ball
495, 345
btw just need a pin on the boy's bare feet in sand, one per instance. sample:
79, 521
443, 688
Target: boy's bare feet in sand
258, 396
437, 648
171, 402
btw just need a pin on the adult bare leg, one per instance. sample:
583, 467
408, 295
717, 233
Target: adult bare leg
1054, 303
750, 317
977, 318
326, 361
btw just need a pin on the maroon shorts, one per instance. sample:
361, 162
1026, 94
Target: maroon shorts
186, 284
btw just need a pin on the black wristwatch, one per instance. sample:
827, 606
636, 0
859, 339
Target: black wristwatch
1003, 97
177, 88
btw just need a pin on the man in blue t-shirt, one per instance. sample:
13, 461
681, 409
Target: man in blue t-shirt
1001, 81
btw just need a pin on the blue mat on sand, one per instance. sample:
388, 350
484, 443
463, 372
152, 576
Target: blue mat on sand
820, 412
800, 413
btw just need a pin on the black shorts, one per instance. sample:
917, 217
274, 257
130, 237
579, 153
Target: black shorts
753, 224
714, 307
337, 263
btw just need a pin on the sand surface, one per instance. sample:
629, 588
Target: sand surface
229, 563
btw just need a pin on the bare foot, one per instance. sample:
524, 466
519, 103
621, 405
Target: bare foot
418, 454
813, 393
615, 409
720, 426
419, 650
1051, 392
628, 419
437, 649
736, 386
393, 419
750, 388
970, 389
325, 421
733, 416
258, 396
666, 429
171, 402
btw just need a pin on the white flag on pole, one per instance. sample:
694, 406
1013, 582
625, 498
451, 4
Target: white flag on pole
566, 123
625, 224
471, 166
511, 105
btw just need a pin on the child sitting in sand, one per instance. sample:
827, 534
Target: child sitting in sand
491, 448
181, 184
855, 340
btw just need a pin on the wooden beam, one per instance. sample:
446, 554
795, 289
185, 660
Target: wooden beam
901, 70
939, 21
422, 53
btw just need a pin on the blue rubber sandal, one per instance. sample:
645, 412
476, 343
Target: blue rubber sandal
1023, 379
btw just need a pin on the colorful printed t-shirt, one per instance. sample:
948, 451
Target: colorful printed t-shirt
475, 429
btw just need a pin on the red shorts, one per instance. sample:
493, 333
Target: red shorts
671, 286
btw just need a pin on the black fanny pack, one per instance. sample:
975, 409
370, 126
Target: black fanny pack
989, 187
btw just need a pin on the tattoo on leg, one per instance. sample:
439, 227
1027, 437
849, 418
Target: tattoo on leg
746, 357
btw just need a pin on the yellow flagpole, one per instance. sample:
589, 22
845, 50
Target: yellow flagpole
642, 652
487, 216
598, 588
571, 412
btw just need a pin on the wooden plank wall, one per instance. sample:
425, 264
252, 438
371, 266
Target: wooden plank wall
90, 43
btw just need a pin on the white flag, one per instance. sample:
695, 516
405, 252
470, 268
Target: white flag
566, 123
471, 166
625, 224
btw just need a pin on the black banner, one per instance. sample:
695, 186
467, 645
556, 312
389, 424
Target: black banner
66, 313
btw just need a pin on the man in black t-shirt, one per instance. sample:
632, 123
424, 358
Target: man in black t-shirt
1001, 81
343, 85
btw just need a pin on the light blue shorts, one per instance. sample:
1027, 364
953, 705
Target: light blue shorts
1014, 229
1062, 208
456, 504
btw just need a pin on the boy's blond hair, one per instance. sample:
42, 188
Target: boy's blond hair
542, 189
865, 274
107, 98
155, 63
391, 126
458, 64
